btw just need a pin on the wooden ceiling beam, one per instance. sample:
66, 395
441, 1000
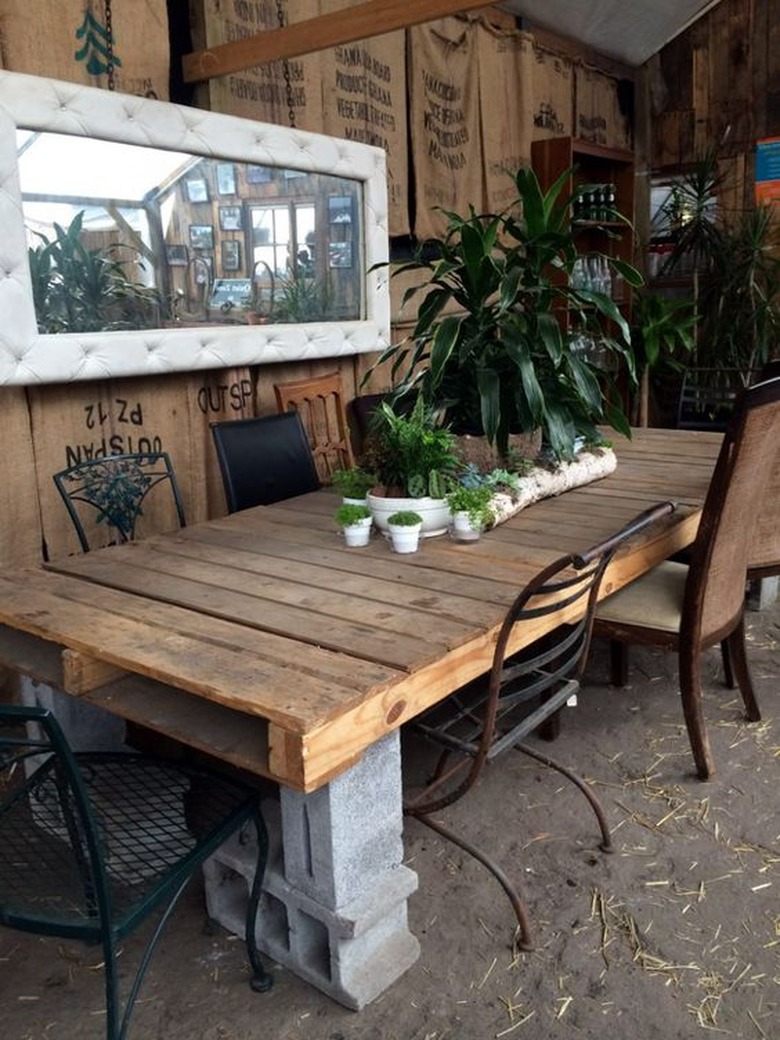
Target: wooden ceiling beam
328, 30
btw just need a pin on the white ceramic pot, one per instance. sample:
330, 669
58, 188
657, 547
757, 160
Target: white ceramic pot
358, 534
462, 530
434, 511
405, 539
353, 501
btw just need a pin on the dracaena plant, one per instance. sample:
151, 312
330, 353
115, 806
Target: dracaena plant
488, 350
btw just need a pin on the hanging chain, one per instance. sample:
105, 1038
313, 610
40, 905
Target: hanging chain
280, 14
109, 48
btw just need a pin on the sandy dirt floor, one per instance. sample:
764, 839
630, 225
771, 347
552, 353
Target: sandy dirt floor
674, 935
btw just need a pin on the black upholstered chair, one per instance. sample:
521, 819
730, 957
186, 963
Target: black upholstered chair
264, 460
92, 844
119, 489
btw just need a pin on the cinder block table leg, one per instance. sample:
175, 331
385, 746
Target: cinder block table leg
335, 904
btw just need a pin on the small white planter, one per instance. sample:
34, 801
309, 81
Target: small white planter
354, 501
356, 535
404, 539
462, 530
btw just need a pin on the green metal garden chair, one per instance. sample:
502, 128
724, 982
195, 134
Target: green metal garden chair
91, 843
115, 489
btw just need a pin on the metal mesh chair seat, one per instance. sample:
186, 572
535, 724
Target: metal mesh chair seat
92, 843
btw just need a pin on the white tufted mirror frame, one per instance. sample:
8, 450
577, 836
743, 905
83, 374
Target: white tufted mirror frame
26, 357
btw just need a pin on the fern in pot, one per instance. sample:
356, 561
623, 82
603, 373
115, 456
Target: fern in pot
413, 457
470, 509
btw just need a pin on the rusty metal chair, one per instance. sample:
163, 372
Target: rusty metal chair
320, 403
93, 843
686, 608
481, 721
115, 491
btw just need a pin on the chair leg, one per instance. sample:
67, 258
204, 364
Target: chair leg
587, 790
618, 662
261, 980
737, 653
690, 689
525, 942
728, 670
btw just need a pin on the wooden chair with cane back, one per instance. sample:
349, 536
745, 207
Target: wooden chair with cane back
687, 607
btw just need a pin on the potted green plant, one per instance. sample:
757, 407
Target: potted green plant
734, 273
412, 456
355, 521
354, 483
470, 509
77, 289
662, 334
487, 349
404, 527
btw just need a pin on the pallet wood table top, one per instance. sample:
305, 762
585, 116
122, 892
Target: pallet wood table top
261, 638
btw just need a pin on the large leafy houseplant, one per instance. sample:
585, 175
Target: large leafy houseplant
488, 350
734, 271
77, 289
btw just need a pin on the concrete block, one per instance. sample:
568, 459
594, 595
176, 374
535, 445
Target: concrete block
349, 831
334, 906
762, 593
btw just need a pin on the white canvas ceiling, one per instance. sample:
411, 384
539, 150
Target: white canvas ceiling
630, 31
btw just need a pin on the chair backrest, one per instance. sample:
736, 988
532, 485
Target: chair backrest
764, 549
320, 402
46, 819
115, 491
721, 553
525, 689
263, 460
707, 398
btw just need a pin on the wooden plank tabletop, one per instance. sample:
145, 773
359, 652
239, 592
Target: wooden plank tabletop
267, 614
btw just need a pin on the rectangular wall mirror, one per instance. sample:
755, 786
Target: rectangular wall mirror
144, 237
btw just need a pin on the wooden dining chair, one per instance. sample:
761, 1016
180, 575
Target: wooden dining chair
264, 459
687, 607
492, 715
320, 403
93, 844
764, 547
117, 490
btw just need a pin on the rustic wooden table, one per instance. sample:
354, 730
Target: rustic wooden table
261, 638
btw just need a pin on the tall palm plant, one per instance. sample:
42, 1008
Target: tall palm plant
489, 349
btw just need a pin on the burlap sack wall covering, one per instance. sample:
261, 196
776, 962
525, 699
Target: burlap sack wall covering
283, 92
357, 91
68, 40
598, 116
506, 83
444, 121
75, 422
553, 95
364, 99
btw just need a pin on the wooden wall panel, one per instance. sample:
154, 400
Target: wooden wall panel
721, 87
